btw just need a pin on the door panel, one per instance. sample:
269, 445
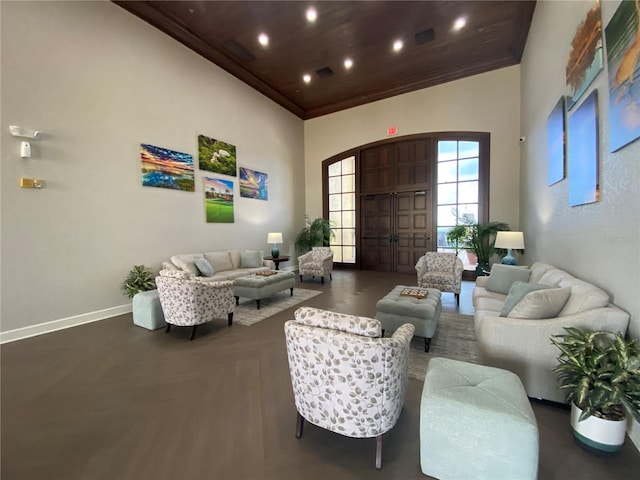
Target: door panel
375, 226
376, 169
413, 229
413, 166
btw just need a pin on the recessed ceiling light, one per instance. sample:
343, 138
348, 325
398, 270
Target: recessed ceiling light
348, 63
263, 39
397, 45
459, 23
311, 14
307, 78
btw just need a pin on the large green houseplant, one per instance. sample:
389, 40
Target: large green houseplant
316, 233
139, 279
601, 373
479, 239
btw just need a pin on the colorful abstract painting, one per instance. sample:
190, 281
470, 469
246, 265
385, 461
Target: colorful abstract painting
216, 156
585, 59
623, 51
218, 200
166, 168
555, 143
254, 184
583, 152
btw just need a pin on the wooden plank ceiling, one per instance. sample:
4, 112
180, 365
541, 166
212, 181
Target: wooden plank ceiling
226, 33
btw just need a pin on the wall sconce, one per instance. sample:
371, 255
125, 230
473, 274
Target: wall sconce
24, 132
31, 183
274, 238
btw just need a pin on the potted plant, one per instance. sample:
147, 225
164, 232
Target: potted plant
139, 279
479, 239
601, 373
316, 233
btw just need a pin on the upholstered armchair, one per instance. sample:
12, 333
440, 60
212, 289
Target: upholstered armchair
187, 301
440, 270
319, 261
345, 377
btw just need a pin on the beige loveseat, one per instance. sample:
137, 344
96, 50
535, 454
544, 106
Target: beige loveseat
522, 345
226, 264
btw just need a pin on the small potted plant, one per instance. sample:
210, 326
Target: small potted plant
316, 233
601, 373
139, 279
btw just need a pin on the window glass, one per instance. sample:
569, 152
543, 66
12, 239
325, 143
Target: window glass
337, 253
447, 150
447, 193
334, 202
348, 219
446, 215
348, 201
468, 169
467, 192
335, 169
348, 165
447, 172
348, 183
469, 149
342, 203
334, 185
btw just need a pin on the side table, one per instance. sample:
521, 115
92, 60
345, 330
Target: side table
277, 261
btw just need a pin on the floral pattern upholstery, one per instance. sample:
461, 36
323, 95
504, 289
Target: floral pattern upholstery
346, 378
187, 301
440, 270
319, 261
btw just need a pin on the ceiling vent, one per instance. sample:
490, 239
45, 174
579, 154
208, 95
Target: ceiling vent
324, 72
424, 37
238, 50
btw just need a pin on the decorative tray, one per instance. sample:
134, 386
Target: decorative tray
413, 292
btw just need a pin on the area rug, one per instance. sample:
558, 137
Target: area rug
454, 338
247, 314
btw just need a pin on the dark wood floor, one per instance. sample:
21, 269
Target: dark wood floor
109, 400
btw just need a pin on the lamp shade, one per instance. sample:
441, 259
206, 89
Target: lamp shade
513, 240
274, 237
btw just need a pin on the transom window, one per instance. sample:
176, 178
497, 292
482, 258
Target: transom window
342, 209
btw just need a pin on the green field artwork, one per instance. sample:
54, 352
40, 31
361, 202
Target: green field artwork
218, 200
216, 156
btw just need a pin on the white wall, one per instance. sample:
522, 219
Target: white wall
99, 82
489, 102
599, 242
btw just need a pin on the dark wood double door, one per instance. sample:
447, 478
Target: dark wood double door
396, 230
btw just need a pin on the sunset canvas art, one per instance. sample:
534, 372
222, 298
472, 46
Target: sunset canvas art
166, 168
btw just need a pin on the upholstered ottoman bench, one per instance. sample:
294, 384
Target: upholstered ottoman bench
259, 286
476, 422
396, 309
147, 311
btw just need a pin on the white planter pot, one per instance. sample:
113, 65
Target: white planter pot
597, 433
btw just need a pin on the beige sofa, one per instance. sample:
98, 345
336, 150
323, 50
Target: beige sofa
226, 264
522, 345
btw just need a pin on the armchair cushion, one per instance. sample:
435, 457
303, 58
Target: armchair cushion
503, 276
187, 263
314, 317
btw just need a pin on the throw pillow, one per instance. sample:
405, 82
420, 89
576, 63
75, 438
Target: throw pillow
516, 293
205, 267
545, 303
503, 276
250, 259
187, 263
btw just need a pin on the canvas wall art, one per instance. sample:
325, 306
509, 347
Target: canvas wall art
623, 50
218, 200
216, 156
583, 152
254, 184
166, 168
585, 59
556, 143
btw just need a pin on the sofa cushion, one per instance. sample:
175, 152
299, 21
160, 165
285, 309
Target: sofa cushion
250, 259
220, 261
537, 270
584, 296
553, 277
169, 266
205, 267
545, 303
503, 276
516, 293
186, 262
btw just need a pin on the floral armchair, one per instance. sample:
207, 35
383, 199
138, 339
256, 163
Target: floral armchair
440, 270
319, 261
187, 301
345, 377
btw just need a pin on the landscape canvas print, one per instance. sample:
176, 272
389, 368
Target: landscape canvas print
218, 200
585, 59
254, 184
583, 152
555, 143
216, 156
166, 168
623, 49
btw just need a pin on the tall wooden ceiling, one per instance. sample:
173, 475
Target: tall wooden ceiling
434, 53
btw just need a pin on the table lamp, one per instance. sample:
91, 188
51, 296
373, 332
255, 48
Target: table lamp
510, 241
274, 238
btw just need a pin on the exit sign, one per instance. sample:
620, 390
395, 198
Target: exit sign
392, 131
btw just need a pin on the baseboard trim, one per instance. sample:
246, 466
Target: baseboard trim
54, 325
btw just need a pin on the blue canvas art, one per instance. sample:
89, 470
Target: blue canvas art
556, 143
254, 184
623, 51
166, 168
583, 152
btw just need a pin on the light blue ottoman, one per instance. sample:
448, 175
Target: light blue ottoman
147, 311
476, 422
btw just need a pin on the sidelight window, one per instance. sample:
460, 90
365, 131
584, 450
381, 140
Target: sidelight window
342, 209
